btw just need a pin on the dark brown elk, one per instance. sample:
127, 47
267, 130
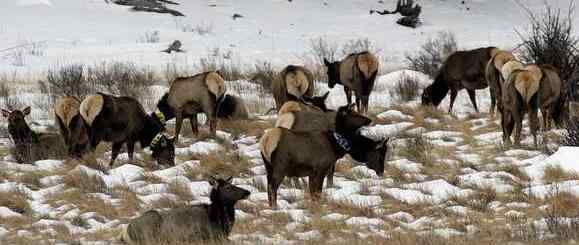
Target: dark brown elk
314, 154
357, 73
499, 67
520, 96
123, 120
195, 223
30, 146
553, 100
461, 70
293, 84
232, 107
189, 96
72, 127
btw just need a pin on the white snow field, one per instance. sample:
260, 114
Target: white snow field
448, 178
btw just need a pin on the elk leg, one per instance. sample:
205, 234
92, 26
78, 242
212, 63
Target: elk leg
314, 182
534, 123
359, 105
348, 94
330, 175
178, 123
213, 126
130, 151
492, 90
273, 186
508, 123
115, 152
518, 128
472, 96
194, 124
453, 94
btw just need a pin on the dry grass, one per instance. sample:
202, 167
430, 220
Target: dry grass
555, 173
85, 183
479, 200
16, 200
222, 163
561, 215
245, 127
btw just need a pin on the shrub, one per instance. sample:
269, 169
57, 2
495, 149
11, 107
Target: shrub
429, 58
150, 37
551, 40
222, 62
264, 75
117, 78
406, 89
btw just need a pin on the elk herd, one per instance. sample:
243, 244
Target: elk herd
307, 139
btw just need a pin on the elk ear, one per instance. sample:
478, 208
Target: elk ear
326, 62
171, 140
325, 96
26, 111
228, 180
351, 107
213, 182
5, 113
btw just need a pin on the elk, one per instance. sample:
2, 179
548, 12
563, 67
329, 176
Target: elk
293, 84
553, 97
497, 70
520, 95
357, 73
289, 153
123, 120
31, 146
232, 107
461, 70
72, 127
188, 96
195, 223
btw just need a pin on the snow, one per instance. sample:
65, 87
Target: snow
401, 216
6, 213
439, 189
565, 157
49, 165
394, 115
382, 131
364, 221
406, 165
407, 196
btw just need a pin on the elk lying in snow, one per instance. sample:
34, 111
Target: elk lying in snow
72, 127
293, 84
519, 96
314, 154
357, 72
461, 70
31, 146
188, 96
497, 70
197, 223
122, 120
232, 107
553, 98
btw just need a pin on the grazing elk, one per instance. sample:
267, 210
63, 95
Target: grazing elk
195, 223
303, 120
188, 96
461, 70
553, 98
232, 107
357, 72
497, 70
293, 84
314, 154
520, 95
72, 127
31, 146
122, 120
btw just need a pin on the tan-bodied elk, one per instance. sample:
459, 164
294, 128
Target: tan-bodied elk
288, 153
520, 95
71, 124
294, 83
189, 96
497, 70
357, 73
123, 120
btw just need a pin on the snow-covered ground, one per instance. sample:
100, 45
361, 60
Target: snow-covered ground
447, 176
